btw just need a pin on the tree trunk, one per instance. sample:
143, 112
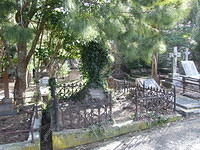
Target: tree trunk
21, 70
154, 69
6, 84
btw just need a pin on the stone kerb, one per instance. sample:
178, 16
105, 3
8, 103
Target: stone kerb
27, 145
75, 137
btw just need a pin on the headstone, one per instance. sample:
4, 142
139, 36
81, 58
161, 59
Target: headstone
44, 81
175, 56
74, 75
147, 83
44, 90
190, 69
7, 107
187, 53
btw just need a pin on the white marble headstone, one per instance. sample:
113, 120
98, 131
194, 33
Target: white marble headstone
190, 69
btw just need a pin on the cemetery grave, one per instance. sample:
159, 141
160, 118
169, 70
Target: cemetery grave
15, 127
122, 106
10, 125
147, 83
187, 85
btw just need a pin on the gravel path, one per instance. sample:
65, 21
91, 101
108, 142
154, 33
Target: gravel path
183, 135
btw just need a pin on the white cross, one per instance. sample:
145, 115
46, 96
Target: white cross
175, 55
187, 53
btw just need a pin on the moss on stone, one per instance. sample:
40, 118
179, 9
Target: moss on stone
72, 138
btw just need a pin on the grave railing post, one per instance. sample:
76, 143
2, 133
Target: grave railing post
54, 103
174, 91
184, 84
136, 104
199, 85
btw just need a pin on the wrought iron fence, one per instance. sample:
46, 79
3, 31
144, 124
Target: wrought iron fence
186, 83
84, 115
146, 101
150, 101
76, 115
65, 91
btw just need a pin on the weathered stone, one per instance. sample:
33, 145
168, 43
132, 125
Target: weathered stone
190, 69
71, 138
74, 74
187, 106
7, 109
147, 83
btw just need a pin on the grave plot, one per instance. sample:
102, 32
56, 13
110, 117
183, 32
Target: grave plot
128, 102
128, 108
19, 125
14, 128
72, 114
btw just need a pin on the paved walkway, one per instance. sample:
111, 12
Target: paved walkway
184, 135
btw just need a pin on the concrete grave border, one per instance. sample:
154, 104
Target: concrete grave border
75, 137
27, 145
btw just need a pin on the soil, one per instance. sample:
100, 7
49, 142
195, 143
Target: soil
11, 124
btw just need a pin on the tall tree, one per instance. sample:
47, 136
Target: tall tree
135, 27
30, 19
7, 8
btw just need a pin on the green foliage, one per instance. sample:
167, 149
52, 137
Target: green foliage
64, 70
94, 57
17, 34
7, 6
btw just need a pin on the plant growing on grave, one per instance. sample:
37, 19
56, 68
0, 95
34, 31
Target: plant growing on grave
95, 62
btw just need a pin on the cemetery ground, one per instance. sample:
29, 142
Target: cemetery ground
123, 109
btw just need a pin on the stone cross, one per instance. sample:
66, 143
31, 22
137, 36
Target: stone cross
187, 53
175, 56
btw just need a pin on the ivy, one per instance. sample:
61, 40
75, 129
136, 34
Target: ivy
95, 60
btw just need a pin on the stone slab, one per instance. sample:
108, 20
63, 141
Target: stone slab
187, 103
147, 83
7, 109
187, 106
44, 81
190, 69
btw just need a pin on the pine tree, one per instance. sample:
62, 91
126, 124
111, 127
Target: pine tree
135, 27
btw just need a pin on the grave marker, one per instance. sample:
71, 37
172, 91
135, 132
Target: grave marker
190, 69
175, 56
147, 83
7, 107
187, 53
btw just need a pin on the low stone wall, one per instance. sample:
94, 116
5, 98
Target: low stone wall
27, 145
71, 138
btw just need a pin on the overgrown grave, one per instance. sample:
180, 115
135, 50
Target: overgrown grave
74, 112
19, 124
96, 118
